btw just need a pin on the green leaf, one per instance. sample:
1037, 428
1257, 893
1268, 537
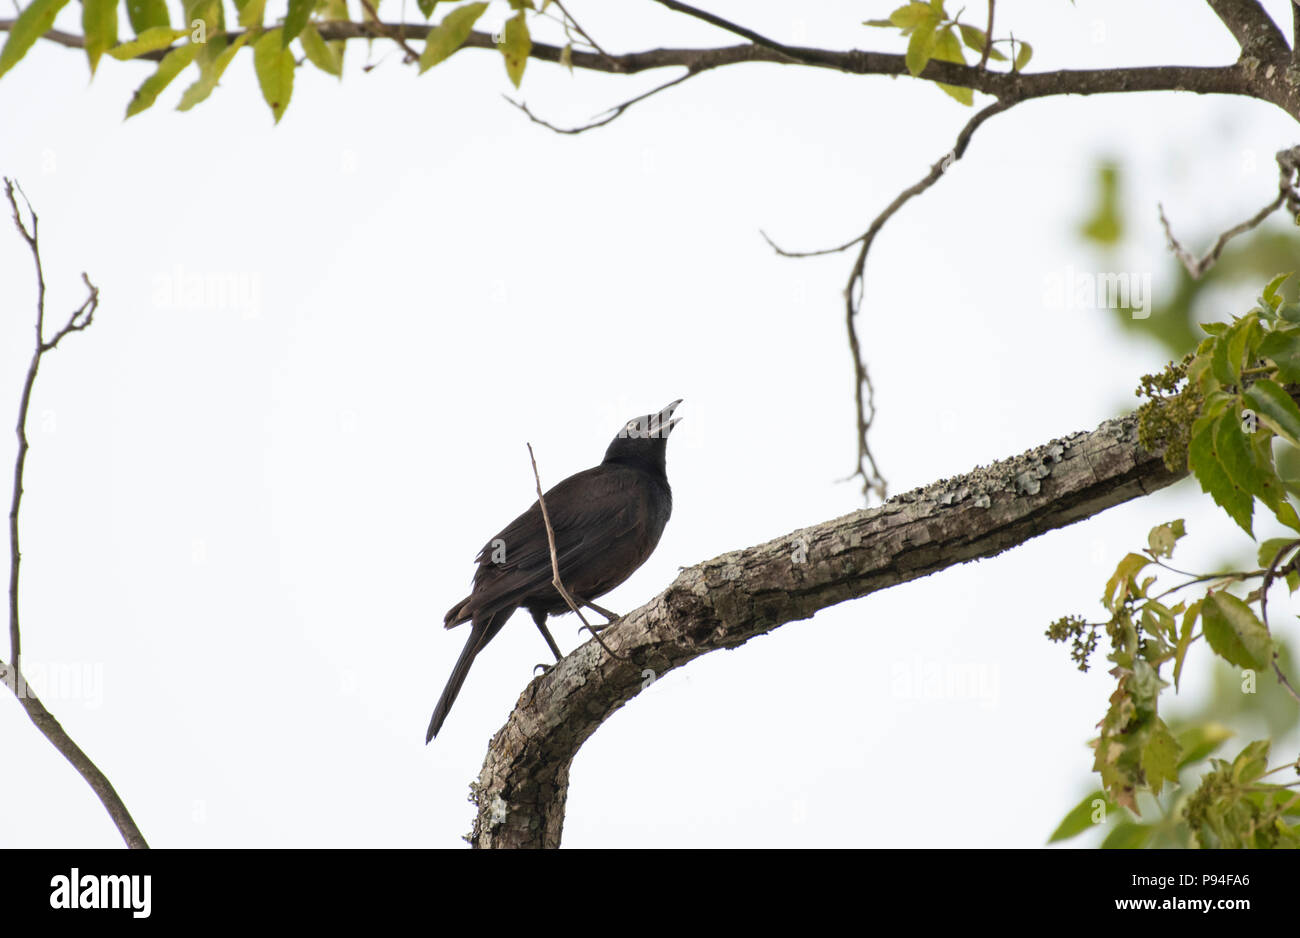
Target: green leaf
1234, 632
1185, 639
912, 15
1271, 295
1160, 757
250, 12
1127, 836
1274, 406
1251, 763
1242, 339
146, 14
887, 24
426, 7
516, 43
1117, 587
1238, 456
152, 39
450, 34
207, 22
1282, 346
295, 20
274, 66
1220, 364
168, 68
210, 74
947, 48
1214, 479
1201, 741
36, 19
1268, 550
1083, 816
975, 39
319, 52
99, 23
920, 48
1163, 537
1023, 55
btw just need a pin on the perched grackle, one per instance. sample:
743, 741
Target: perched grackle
607, 521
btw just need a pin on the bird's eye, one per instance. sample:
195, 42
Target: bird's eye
631, 426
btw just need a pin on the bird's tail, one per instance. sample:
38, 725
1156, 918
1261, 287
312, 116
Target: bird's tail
481, 633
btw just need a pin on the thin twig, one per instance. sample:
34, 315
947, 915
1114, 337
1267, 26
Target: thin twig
1263, 606
582, 32
794, 55
11, 674
555, 561
600, 120
1288, 162
988, 40
388, 32
872, 481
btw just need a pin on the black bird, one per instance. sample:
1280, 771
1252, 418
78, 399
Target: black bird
607, 521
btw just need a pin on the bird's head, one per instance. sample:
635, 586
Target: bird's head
643, 440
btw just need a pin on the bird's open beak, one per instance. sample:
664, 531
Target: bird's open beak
664, 420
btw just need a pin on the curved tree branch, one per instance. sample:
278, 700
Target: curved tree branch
724, 602
1252, 27
11, 673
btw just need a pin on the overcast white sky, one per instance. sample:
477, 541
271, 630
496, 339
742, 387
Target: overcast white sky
246, 517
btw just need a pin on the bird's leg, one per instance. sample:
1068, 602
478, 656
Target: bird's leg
539, 616
611, 616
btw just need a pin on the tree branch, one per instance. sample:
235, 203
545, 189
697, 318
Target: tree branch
724, 602
1253, 29
1239, 79
854, 290
11, 674
1288, 163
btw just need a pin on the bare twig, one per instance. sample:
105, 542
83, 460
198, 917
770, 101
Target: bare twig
1273, 571
582, 32
555, 561
11, 673
872, 481
988, 40
605, 117
794, 55
1288, 194
396, 33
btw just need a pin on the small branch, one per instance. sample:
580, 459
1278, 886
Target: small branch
794, 55
1288, 162
1252, 27
872, 481
1263, 606
605, 117
581, 32
988, 40
397, 34
11, 673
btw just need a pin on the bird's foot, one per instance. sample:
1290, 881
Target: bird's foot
543, 668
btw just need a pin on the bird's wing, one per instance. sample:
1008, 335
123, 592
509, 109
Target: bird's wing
590, 512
